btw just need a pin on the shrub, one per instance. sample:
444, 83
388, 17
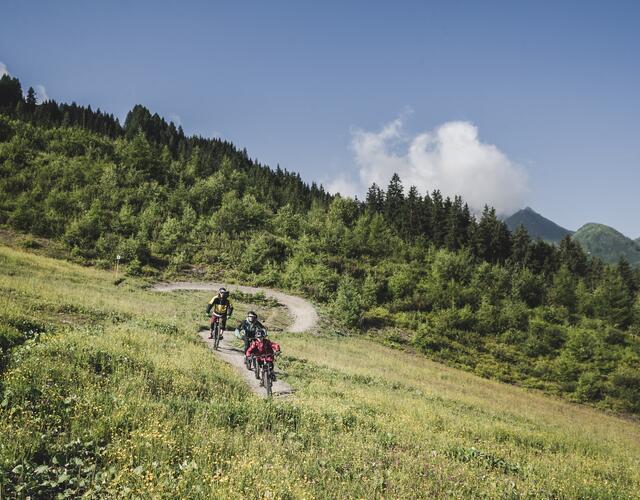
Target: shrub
626, 386
590, 387
544, 338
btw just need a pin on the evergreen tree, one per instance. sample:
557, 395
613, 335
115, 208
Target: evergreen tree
31, 100
520, 248
10, 92
613, 302
438, 218
573, 256
458, 225
394, 202
413, 223
375, 199
627, 275
563, 291
493, 240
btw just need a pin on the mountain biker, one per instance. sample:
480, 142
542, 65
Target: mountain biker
248, 327
264, 349
222, 309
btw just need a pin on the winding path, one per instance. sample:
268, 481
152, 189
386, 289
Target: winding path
304, 315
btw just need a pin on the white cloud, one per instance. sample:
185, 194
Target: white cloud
3, 69
177, 121
343, 185
41, 93
450, 158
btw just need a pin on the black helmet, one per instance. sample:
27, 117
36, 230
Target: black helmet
251, 316
261, 333
223, 292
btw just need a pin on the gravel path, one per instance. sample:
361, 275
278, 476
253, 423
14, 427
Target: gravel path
304, 315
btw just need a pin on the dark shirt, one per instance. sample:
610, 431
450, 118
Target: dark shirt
249, 329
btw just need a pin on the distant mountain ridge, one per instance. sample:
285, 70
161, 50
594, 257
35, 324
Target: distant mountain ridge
598, 240
607, 243
537, 226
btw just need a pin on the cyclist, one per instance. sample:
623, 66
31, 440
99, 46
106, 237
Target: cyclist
222, 309
248, 327
264, 349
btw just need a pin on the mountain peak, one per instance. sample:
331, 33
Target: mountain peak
607, 243
536, 225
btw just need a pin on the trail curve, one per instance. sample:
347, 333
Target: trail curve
304, 314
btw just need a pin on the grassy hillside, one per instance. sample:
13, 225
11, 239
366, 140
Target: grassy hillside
607, 243
107, 391
537, 226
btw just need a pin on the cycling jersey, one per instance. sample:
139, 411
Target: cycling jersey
220, 306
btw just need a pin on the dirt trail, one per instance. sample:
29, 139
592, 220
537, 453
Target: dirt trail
304, 315
235, 356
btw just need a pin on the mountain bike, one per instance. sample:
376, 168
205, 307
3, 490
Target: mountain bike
215, 329
266, 369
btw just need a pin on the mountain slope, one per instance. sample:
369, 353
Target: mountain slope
140, 408
607, 243
537, 226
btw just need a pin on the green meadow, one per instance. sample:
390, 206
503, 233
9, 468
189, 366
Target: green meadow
106, 390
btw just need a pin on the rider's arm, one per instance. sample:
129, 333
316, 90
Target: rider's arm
251, 349
210, 305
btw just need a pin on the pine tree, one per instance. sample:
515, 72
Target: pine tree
31, 100
394, 202
413, 223
613, 301
438, 219
375, 199
573, 256
10, 92
493, 240
627, 275
520, 248
563, 291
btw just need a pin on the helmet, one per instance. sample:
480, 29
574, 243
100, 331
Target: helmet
261, 333
223, 293
251, 316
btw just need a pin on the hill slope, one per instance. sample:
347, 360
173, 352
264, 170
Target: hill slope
537, 226
139, 407
607, 243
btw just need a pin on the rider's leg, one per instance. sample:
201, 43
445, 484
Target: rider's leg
223, 325
211, 329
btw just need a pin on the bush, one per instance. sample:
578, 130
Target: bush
347, 305
544, 338
626, 386
376, 317
590, 387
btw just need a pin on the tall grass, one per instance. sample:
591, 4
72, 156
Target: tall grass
108, 391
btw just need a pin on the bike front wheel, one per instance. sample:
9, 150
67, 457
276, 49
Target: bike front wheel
266, 378
216, 336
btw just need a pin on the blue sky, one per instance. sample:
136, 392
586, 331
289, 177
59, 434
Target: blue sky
521, 103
